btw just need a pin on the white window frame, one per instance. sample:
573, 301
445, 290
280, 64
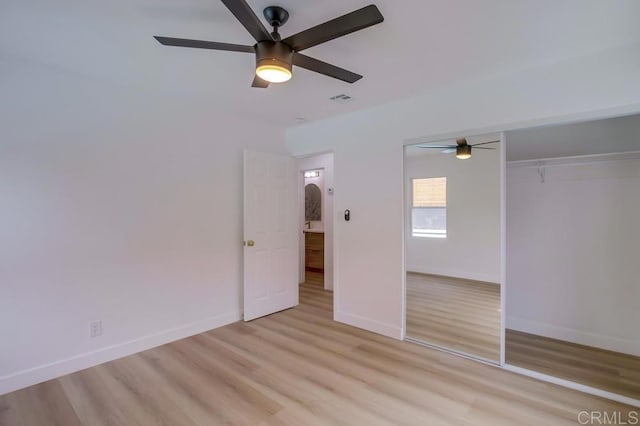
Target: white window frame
427, 233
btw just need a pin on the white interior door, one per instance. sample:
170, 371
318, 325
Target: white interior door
270, 234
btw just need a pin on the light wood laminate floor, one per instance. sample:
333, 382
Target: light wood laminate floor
314, 278
296, 367
612, 371
454, 313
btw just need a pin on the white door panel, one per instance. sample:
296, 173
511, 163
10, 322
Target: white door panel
270, 222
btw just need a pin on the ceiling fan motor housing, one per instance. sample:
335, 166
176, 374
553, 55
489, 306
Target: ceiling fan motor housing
274, 53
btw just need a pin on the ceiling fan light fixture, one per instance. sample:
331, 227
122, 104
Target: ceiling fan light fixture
273, 71
273, 61
463, 152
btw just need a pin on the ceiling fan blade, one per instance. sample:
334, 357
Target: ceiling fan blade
483, 147
258, 82
437, 146
484, 143
338, 27
200, 44
318, 66
248, 19
449, 151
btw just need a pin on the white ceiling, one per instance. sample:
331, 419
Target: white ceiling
421, 45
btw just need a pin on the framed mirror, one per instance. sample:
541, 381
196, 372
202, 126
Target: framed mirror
453, 245
573, 300
312, 202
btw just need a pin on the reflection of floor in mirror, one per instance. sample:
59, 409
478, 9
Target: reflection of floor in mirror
454, 313
611, 371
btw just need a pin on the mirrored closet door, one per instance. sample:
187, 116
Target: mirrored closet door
453, 245
573, 244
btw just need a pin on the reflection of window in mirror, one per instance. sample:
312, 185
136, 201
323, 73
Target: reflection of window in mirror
429, 208
312, 202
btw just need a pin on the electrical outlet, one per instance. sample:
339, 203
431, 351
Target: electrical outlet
95, 329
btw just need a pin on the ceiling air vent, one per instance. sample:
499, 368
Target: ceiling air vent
340, 98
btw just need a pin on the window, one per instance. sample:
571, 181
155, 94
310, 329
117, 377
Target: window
429, 208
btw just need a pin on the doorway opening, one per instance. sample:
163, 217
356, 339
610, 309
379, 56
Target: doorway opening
315, 201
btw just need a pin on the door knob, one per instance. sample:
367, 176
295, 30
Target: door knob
251, 243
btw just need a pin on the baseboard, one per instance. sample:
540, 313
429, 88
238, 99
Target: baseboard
42, 373
489, 278
369, 324
574, 385
575, 336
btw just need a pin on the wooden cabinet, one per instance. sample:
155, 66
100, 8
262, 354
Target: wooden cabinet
314, 251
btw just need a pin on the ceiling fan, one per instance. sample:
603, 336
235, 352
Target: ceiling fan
462, 148
274, 55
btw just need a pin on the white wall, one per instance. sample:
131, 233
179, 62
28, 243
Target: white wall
472, 247
369, 163
324, 162
129, 213
572, 244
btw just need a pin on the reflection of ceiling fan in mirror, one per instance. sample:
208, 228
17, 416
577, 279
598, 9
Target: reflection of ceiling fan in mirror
462, 148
